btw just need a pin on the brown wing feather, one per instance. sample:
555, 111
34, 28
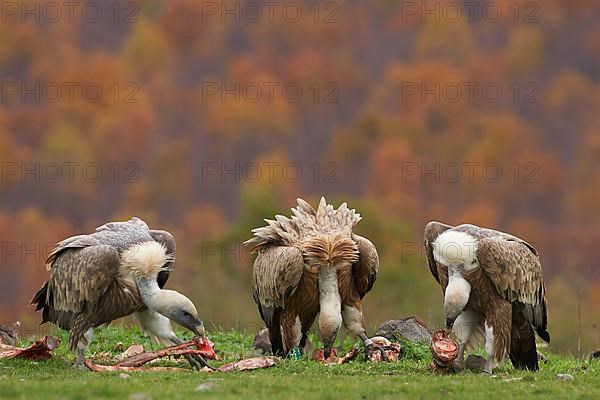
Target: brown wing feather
74, 242
432, 231
44, 297
364, 271
81, 276
115, 302
276, 273
516, 272
84, 290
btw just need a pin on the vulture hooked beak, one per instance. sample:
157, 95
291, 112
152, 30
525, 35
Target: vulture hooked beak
199, 329
449, 324
328, 345
189, 321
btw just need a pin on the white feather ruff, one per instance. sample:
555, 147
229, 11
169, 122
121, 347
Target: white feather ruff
145, 260
454, 248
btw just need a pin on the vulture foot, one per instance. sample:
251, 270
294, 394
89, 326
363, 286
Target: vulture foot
488, 368
198, 362
80, 366
458, 365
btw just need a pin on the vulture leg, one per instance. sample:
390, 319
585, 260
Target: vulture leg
463, 328
82, 346
275, 332
489, 348
307, 322
159, 326
292, 330
497, 326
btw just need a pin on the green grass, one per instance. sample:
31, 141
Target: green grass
304, 379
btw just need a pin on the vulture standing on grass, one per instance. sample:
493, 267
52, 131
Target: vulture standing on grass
309, 264
493, 291
116, 271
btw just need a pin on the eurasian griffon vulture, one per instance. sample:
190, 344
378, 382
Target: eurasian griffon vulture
309, 264
116, 271
493, 289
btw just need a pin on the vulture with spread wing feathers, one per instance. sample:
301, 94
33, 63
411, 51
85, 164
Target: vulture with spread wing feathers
493, 291
309, 264
116, 271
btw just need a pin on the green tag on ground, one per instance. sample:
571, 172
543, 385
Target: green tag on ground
294, 354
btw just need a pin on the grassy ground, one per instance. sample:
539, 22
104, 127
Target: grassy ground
303, 379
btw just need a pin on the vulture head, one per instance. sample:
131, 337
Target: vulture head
145, 261
178, 309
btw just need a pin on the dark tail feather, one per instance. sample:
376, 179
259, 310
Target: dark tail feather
542, 330
543, 333
40, 297
525, 359
40, 302
523, 352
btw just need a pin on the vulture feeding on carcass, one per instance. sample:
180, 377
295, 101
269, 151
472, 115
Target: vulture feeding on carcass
309, 264
118, 270
493, 291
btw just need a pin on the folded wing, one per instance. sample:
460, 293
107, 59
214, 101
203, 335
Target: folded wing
365, 269
515, 271
276, 273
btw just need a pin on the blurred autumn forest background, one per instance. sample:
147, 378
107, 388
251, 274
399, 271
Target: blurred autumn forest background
205, 117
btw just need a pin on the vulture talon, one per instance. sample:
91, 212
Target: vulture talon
193, 362
198, 362
459, 365
488, 369
80, 366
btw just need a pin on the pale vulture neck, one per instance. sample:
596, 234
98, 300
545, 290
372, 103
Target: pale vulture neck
330, 318
149, 292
